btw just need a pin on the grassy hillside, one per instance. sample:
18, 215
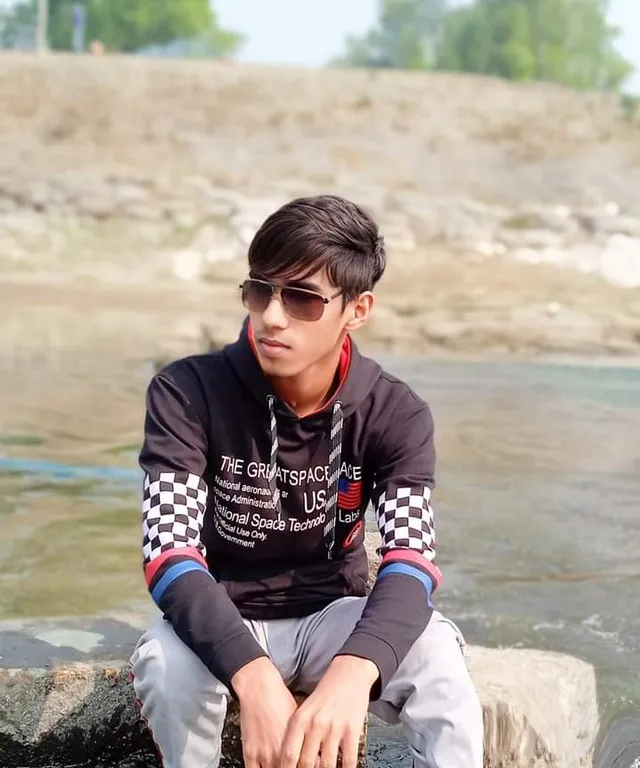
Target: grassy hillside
249, 126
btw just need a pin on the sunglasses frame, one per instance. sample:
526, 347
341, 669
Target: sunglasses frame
274, 288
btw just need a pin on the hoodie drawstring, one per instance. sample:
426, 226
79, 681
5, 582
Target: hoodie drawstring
333, 471
273, 465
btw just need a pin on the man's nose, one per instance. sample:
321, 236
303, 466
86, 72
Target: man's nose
274, 315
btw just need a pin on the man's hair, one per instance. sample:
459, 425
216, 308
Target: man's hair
327, 232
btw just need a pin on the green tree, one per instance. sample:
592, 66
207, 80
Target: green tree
565, 41
405, 36
122, 25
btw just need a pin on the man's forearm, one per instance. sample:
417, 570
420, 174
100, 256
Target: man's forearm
396, 614
207, 621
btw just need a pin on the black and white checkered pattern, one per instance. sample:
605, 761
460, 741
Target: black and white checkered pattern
405, 519
173, 507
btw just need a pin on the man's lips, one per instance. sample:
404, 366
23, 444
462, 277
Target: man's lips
272, 343
272, 347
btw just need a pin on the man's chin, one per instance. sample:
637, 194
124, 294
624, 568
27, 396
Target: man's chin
279, 368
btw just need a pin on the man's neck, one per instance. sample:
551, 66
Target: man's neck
310, 390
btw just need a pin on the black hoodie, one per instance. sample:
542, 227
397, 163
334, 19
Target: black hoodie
252, 512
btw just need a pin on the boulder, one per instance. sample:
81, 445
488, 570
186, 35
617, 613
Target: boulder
79, 713
66, 699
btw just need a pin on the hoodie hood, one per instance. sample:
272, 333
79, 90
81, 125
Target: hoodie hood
358, 377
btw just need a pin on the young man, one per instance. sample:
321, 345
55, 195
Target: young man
259, 462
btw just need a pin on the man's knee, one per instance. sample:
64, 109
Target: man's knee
183, 704
435, 670
440, 644
161, 664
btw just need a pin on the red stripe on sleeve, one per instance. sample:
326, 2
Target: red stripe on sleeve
414, 558
152, 568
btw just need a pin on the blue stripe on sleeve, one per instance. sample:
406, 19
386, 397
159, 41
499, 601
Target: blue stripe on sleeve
172, 574
409, 570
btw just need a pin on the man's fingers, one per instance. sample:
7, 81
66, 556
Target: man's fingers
250, 758
313, 740
292, 744
329, 750
349, 746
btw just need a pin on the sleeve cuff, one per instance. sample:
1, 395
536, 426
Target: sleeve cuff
378, 651
233, 655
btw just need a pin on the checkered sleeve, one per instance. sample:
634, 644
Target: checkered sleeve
399, 605
173, 506
173, 509
405, 519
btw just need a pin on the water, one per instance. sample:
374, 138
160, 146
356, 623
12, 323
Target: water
537, 500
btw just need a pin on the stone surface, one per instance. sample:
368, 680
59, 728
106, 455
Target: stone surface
600, 240
540, 708
65, 697
619, 742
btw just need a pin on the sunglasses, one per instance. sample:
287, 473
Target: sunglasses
299, 303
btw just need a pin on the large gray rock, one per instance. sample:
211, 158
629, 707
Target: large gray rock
60, 707
65, 698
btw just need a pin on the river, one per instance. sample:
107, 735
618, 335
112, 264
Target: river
537, 504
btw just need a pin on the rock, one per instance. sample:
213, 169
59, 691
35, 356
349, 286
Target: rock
7, 205
398, 235
250, 215
619, 742
617, 225
65, 697
76, 711
188, 264
523, 727
617, 262
620, 261
125, 194
557, 218
215, 244
100, 206
530, 238
144, 211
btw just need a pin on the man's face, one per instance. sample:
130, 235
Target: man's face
287, 346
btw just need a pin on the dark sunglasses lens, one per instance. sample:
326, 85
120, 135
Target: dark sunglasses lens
302, 305
256, 295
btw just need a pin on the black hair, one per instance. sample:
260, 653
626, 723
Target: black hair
322, 232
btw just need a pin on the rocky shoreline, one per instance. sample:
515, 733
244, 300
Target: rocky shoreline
218, 223
463, 277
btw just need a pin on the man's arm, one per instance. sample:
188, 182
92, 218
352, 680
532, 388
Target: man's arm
174, 458
399, 606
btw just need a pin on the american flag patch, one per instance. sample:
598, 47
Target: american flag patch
349, 493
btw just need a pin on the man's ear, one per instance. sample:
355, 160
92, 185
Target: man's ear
359, 311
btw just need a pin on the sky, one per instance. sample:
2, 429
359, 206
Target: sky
307, 33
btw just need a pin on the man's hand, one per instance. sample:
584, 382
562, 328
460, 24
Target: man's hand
266, 705
331, 718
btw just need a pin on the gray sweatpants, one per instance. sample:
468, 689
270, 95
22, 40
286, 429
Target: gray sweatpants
431, 694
